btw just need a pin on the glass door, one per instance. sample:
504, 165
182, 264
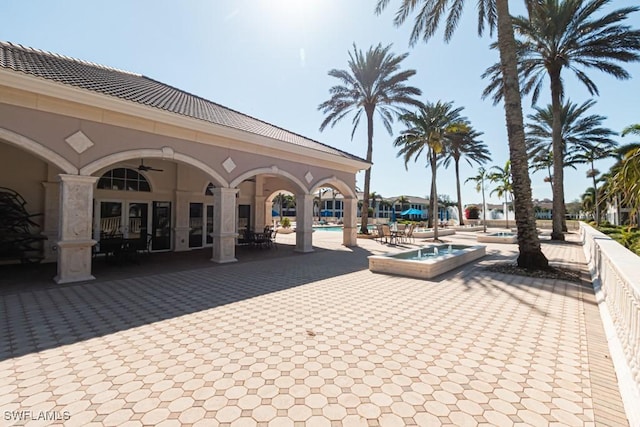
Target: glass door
196, 212
137, 220
110, 222
209, 238
244, 218
161, 226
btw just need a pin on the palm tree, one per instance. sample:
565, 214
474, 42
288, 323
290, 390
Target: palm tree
589, 201
495, 15
502, 176
625, 174
479, 180
318, 201
560, 34
427, 132
374, 82
289, 202
631, 130
543, 161
463, 143
583, 140
374, 197
280, 200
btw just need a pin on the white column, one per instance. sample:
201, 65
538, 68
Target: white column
260, 217
74, 229
182, 228
350, 233
268, 207
224, 225
304, 223
50, 220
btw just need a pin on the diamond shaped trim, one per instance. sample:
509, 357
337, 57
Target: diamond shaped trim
308, 177
229, 165
79, 142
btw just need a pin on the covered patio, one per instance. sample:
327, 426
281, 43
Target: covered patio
107, 154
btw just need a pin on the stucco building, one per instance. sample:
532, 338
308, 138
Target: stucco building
100, 151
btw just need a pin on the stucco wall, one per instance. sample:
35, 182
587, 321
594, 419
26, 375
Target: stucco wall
51, 130
24, 173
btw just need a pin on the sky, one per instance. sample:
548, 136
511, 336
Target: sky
270, 59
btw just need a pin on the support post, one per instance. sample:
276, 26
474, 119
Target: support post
182, 228
304, 223
260, 216
350, 231
224, 225
74, 230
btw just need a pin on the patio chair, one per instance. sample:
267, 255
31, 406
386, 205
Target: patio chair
272, 239
408, 233
379, 233
400, 232
389, 236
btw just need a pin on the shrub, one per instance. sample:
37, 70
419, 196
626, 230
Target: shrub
286, 222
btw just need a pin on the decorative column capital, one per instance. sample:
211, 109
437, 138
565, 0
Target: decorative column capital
80, 179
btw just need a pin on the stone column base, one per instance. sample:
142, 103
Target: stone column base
181, 239
303, 250
224, 248
350, 236
74, 261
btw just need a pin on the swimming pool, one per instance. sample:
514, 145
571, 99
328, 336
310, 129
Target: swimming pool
337, 228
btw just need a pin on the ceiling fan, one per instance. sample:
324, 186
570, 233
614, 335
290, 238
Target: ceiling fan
142, 167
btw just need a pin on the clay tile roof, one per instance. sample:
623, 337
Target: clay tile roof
144, 90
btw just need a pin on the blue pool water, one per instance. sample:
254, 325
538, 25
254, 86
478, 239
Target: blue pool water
337, 228
429, 252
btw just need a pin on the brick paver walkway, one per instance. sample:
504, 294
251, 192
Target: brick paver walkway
310, 340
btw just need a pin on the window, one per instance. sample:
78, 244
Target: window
124, 180
209, 190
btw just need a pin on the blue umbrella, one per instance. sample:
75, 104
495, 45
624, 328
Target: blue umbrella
274, 212
325, 213
411, 211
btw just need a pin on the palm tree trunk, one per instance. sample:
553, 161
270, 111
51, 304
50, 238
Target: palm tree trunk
595, 196
558, 156
531, 256
506, 210
434, 195
367, 175
484, 208
333, 205
433, 214
460, 216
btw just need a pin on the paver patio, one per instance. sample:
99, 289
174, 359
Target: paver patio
311, 340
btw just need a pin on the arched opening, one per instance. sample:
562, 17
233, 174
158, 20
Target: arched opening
163, 197
30, 172
335, 204
256, 191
